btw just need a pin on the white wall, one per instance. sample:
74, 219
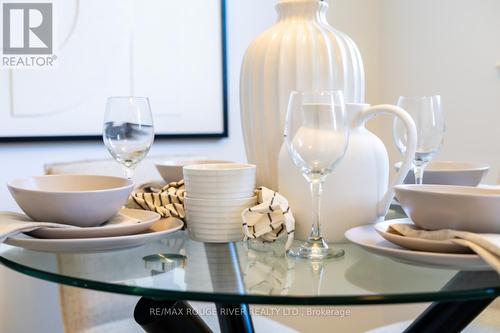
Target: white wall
446, 47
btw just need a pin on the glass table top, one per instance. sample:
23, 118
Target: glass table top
250, 272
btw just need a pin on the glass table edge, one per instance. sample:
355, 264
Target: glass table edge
164, 294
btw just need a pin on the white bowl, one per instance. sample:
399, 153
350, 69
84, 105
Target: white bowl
211, 218
218, 237
210, 205
171, 171
80, 200
465, 208
216, 220
213, 194
451, 173
220, 181
229, 189
219, 169
215, 228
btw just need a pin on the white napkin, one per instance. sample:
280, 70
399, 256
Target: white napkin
270, 218
487, 246
15, 223
268, 274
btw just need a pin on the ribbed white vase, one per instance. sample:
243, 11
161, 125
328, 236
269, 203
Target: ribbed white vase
300, 52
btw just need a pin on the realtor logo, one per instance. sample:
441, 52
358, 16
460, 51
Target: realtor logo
27, 28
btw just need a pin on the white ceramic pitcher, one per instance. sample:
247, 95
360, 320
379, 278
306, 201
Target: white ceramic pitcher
358, 191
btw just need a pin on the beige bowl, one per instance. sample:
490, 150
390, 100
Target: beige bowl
80, 200
216, 221
220, 181
171, 171
465, 208
451, 173
215, 237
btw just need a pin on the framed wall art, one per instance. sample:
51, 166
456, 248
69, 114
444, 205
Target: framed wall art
173, 52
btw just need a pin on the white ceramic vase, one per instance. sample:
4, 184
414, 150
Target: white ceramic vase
358, 191
300, 52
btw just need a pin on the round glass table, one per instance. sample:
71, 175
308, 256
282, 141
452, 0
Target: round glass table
233, 275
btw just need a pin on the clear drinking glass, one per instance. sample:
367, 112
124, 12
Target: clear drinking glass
316, 136
128, 130
429, 119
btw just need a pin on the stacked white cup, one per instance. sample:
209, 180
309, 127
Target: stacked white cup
216, 195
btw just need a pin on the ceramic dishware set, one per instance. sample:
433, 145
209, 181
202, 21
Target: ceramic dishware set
171, 170
80, 213
216, 195
438, 204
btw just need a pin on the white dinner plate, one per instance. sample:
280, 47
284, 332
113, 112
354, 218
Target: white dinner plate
158, 230
125, 222
417, 244
367, 237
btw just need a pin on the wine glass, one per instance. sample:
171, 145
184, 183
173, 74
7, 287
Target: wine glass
428, 116
128, 130
316, 136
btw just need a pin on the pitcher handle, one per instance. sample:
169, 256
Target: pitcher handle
411, 131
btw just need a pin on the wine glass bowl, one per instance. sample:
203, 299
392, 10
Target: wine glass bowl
427, 113
316, 146
128, 130
316, 137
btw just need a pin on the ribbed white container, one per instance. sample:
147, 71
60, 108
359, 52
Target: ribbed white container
300, 52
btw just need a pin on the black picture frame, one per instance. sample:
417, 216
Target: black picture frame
225, 111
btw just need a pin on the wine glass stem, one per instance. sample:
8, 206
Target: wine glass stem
129, 172
418, 170
316, 191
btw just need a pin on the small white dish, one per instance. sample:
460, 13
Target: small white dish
216, 221
215, 237
125, 222
171, 171
417, 244
227, 186
465, 208
215, 204
220, 181
367, 237
219, 195
214, 228
79, 200
159, 230
450, 173
219, 169
211, 212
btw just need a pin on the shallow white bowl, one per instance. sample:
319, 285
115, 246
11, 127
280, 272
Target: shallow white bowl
210, 205
216, 220
227, 184
465, 208
215, 228
171, 171
219, 169
80, 200
451, 173
210, 211
215, 223
220, 181
216, 193
216, 237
